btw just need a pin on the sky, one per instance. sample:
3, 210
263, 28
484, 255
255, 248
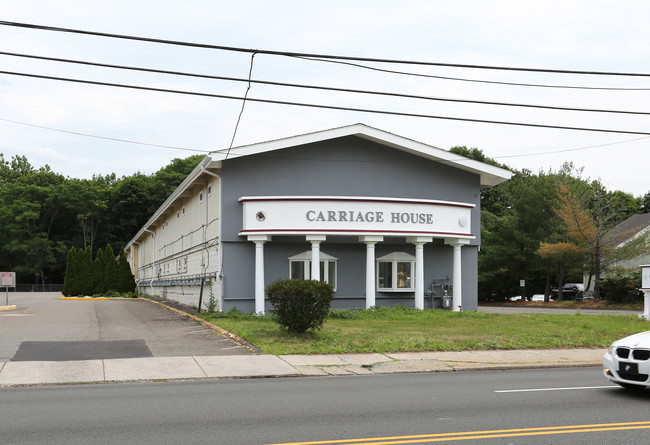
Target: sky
80, 130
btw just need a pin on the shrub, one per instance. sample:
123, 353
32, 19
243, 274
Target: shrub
300, 305
110, 269
70, 278
622, 286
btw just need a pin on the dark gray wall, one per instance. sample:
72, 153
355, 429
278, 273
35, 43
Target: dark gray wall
349, 166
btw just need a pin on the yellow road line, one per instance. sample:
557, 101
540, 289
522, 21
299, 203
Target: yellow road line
489, 434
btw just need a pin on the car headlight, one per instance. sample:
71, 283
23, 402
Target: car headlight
611, 349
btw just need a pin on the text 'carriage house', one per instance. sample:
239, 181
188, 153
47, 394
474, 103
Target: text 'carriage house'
386, 220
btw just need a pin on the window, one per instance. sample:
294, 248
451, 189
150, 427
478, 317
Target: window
300, 267
209, 189
395, 272
201, 196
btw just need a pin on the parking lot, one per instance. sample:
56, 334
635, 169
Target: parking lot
43, 327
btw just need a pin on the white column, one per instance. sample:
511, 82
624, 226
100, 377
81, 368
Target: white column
457, 301
457, 281
259, 241
645, 287
315, 255
646, 304
419, 269
370, 267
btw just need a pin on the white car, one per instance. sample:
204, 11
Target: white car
627, 361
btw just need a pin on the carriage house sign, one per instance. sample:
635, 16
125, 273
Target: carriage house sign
293, 215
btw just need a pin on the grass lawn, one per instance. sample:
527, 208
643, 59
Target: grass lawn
402, 329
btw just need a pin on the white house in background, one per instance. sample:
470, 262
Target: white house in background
628, 230
632, 228
387, 220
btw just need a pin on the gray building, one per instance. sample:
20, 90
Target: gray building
387, 219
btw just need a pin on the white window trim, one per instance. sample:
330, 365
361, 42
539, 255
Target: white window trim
395, 258
305, 258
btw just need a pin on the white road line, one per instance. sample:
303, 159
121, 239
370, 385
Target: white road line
571, 388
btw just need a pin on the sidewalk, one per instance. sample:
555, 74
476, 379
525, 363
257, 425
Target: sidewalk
21, 373
250, 366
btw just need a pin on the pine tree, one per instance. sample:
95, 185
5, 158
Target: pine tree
125, 278
98, 273
88, 265
110, 269
70, 273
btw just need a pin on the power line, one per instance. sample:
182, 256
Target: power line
463, 79
76, 133
328, 107
243, 105
317, 87
566, 150
459, 159
311, 55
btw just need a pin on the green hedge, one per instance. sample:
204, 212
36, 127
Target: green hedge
300, 305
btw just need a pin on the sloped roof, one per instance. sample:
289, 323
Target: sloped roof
489, 174
631, 226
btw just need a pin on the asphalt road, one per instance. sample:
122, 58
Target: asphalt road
45, 328
522, 407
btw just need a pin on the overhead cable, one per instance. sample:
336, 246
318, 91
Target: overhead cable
463, 79
76, 133
321, 56
328, 107
317, 87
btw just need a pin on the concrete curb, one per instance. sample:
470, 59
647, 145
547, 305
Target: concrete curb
221, 331
157, 369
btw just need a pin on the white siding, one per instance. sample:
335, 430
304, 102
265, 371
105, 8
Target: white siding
185, 247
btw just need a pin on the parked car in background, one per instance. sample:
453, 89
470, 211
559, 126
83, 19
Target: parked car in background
570, 291
627, 362
537, 297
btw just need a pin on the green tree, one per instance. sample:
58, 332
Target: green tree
110, 269
29, 217
87, 204
589, 215
98, 273
645, 203
84, 272
69, 281
512, 229
125, 278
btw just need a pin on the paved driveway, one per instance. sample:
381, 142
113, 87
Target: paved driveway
45, 328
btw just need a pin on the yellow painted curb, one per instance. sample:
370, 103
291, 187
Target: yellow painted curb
84, 298
232, 337
7, 308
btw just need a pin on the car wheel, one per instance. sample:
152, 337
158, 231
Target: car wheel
632, 386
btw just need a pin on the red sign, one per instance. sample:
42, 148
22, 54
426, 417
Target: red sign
7, 279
